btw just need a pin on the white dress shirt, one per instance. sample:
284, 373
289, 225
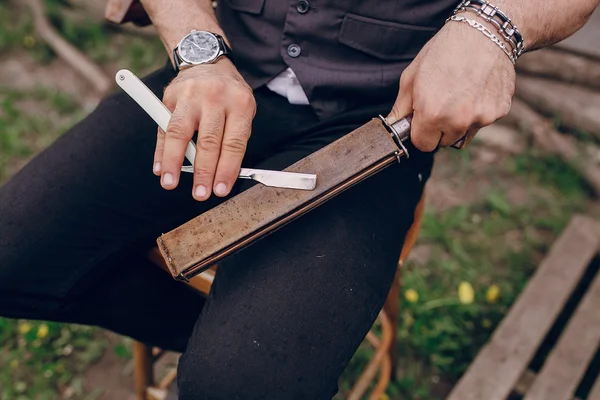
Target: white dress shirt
286, 84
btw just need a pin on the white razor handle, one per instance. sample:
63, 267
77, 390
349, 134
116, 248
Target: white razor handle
141, 94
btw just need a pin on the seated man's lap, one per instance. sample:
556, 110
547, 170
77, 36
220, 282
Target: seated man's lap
92, 197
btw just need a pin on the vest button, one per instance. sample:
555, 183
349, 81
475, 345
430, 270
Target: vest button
294, 50
302, 6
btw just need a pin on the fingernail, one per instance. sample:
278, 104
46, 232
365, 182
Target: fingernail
221, 189
156, 167
200, 191
168, 179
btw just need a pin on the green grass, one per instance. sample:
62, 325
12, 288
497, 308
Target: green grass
14, 27
102, 43
25, 130
40, 358
552, 171
17, 33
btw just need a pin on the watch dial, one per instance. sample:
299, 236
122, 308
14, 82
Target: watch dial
199, 47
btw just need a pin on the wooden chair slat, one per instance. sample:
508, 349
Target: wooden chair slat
503, 360
143, 370
569, 360
595, 393
202, 282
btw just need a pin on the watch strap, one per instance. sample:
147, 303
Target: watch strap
176, 59
226, 49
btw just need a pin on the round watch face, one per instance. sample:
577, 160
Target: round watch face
199, 47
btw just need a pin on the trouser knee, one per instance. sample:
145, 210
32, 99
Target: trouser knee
212, 377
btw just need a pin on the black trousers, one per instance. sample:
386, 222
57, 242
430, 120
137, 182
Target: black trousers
284, 317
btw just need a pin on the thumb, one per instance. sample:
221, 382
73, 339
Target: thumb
403, 105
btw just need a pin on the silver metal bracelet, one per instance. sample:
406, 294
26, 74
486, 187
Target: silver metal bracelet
489, 34
492, 14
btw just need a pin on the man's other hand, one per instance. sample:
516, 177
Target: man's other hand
460, 82
215, 100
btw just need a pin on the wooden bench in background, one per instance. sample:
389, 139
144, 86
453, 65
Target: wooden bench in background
550, 339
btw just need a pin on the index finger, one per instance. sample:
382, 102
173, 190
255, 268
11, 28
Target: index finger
179, 132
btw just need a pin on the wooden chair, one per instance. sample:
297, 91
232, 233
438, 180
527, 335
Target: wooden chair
382, 361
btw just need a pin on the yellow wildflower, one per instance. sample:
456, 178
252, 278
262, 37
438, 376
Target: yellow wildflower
42, 331
486, 323
466, 294
24, 328
29, 41
492, 294
14, 364
411, 296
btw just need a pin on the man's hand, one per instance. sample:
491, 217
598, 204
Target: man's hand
460, 82
215, 100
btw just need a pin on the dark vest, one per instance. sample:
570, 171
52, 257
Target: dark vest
346, 53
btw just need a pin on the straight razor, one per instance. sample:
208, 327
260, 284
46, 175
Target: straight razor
144, 97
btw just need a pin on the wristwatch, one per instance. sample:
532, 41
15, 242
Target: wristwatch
199, 47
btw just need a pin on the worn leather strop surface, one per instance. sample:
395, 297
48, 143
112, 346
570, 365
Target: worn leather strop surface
260, 210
